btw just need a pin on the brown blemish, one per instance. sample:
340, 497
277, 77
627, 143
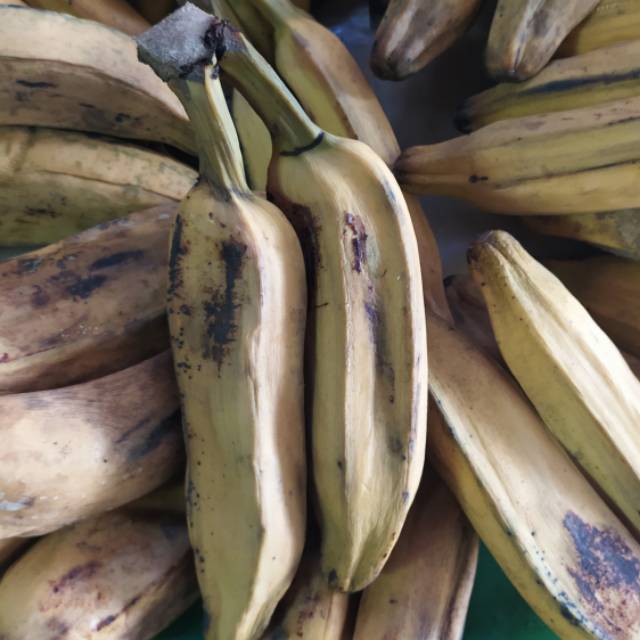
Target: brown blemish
77, 574
358, 241
176, 253
105, 622
39, 297
83, 289
57, 627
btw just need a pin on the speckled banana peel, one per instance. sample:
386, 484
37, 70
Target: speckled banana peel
119, 576
572, 162
563, 549
525, 34
50, 76
236, 304
569, 368
367, 363
590, 79
413, 32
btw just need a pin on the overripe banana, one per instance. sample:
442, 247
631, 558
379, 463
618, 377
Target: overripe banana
579, 161
569, 368
120, 576
87, 306
51, 75
525, 34
581, 81
567, 554
236, 304
423, 591
74, 452
414, 32
56, 183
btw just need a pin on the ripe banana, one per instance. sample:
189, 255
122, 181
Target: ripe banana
236, 304
571, 371
611, 22
56, 183
582, 81
74, 452
423, 591
567, 554
579, 161
118, 576
51, 76
367, 389
87, 306
525, 34
414, 32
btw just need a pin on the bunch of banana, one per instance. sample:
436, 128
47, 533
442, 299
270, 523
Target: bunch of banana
121, 575
414, 32
525, 34
590, 79
579, 161
237, 304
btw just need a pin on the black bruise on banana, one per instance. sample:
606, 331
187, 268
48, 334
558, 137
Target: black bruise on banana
155, 437
117, 259
85, 287
36, 85
176, 253
358, 241
75, 575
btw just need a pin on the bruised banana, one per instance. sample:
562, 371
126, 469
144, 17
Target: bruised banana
569, 368
51, 76
367, 364
237, 305
56, 183
102, 295
414, 32
566, 553
118, 576
423, 591
525, 34
579, 161
582, 81
74, 452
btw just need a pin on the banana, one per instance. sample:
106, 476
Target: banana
423, 592
51, 76
87, 306
236, 304
579, 161
9, 547
414, 32
571, 371
582, 81
56, 183
122, 575
525, 34
74, 452
565, 552
611, 22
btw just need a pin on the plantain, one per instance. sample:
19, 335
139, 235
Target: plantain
236, 304
525, 34
51, 76
118, 576
56, 183
75, 452
414, 32
561, 547
579, 161
423, 591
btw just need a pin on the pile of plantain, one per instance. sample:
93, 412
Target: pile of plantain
230, 366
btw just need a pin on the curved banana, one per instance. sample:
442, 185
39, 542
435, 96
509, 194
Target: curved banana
236, 304
51, 76
414, 32
118, 576
75, 452
56, 183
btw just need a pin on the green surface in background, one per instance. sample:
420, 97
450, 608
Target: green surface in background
496, 612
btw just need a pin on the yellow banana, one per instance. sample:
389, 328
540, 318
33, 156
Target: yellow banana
525, 34
51, 76
56, 183
118, 576
567, 554
236, 303
414, 32
423, 592
579, 161
75, 452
